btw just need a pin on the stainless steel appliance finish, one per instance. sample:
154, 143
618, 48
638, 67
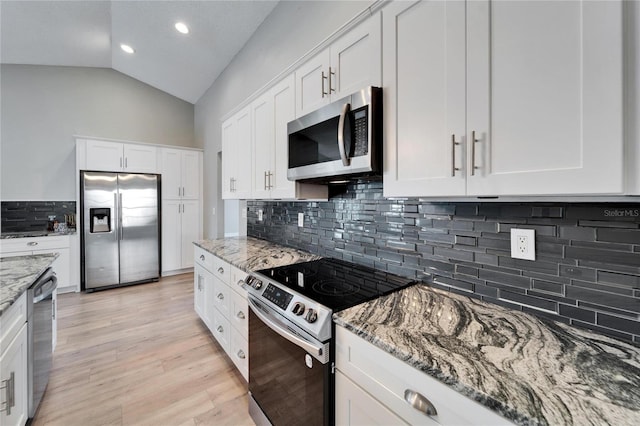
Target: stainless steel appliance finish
291, 349
340, 141
120, 229
40, 311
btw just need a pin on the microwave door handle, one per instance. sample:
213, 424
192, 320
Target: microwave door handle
343, 116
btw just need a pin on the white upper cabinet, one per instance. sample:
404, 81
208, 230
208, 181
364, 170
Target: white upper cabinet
271, 113
181, 174
351, 63
120, 157
536, 110
236, 155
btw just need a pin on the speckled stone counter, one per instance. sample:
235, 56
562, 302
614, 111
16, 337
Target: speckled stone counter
33, 234
531, 371
18, 273
252, 254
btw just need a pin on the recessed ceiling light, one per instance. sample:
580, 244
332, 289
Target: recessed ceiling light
127, 48
182, 28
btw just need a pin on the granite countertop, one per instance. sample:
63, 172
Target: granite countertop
530, 370
18, 273
252, 254
32, 234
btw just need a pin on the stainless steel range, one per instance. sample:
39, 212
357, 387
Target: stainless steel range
291, 348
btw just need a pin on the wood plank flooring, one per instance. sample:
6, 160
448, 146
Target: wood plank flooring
140, 355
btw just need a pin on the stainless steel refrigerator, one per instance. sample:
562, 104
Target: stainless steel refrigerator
120, 229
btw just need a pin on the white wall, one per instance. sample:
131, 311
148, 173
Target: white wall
44, 106
290, 31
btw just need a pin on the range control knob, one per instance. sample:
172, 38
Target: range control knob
311, 316
298, 308
256, 283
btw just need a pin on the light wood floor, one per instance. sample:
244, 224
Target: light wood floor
140, 355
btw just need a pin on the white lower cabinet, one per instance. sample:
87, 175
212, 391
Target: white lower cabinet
180, 228
371, 387
13, 365
222, 305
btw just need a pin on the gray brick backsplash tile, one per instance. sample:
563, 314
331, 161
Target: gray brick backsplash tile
588, 255
602, 330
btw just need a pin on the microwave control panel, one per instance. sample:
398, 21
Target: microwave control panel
360, 132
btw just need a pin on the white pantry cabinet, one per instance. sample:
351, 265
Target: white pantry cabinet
270, 114
180, 228
503, 98
351, 63
181, 173
120, 157
13, 364
236, 156
373, 388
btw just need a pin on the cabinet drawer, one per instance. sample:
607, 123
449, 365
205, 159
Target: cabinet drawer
12, 320
237, 279
239, 353
221, 330
221, 297
387, 379
239, 316
35, 243
221, 269
204, 258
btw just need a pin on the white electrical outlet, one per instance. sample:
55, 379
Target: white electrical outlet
259, 215
523, 244
300, 220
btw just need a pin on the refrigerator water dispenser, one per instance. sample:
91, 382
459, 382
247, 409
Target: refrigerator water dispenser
100, 220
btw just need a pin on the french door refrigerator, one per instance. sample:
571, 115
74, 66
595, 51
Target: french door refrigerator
120, 229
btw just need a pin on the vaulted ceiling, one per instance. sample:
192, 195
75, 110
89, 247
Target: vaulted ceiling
89, 33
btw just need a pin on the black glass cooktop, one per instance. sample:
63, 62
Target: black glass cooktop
336, 284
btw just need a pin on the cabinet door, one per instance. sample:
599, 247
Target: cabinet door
312, 84
356, 59
171, 173
104, 156
239, 352
424, 98
228, 155
239, 314
356, 407
140, 158
221, 297
199, 283
545, 97
190, 226
14, 361
284, 111
262, 128
171, 235
191, 172
221, 330
242, 158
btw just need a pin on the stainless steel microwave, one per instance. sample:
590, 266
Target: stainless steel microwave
339, 141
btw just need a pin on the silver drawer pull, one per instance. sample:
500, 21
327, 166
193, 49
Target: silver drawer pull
9, 386
202, 257
220, 270
220, 296
240, 315
420, 403
240, 282
241, 354
220, 329
32, 243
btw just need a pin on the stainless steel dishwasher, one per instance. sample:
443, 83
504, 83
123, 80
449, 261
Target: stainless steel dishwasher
40, 311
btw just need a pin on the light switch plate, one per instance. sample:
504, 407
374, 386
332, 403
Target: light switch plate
300, 220
523, 244
259, 215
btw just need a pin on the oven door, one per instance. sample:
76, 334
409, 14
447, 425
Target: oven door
289, 371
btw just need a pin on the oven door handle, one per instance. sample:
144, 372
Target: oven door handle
344, 116
319, 352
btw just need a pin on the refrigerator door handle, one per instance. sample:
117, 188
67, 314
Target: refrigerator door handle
120, 216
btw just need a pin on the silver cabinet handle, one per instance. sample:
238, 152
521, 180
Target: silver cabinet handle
126, 162
420, 403
240, 315
324, 77
53, 309
221, 270
9, 386
343, 117
32, 243
220, 296
453, 155
183, 191
241, 354
178, 191
202, 257
120, 162
220, 329
270, 176
240, 282
265, 181
331, 89
473, 152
